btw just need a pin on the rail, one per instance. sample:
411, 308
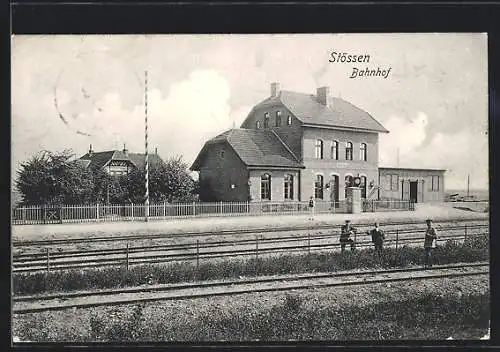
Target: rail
113, 297
128, 256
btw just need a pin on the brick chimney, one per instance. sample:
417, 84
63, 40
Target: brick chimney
125, 150
275, 89
156, 151
323, 95
90, 150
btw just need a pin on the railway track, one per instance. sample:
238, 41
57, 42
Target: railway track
96, 239
134, 295
210, 250
29, 262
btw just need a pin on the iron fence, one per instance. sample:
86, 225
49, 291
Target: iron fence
44, 214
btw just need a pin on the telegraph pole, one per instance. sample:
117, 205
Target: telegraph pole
468, 182
146, 164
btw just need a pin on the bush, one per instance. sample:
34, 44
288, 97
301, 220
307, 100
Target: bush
473, 250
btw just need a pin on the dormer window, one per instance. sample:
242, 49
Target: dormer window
257, 124
278, 118
266, 120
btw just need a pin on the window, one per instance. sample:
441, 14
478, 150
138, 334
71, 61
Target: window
266, 120
318, 149
363, 186
289, 120
348, 183
394, 182
318, 187
362, 152
278, 118
334, 150
348, 151
265, 187
288, 187
435, 183
257, 124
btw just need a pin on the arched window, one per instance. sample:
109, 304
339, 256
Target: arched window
363, 186
348, 151
288, 186
266, 120
278, 118
265, 187
289, 120
334, 150
318, 149
348, 183
257, 124
362, 152
318, 187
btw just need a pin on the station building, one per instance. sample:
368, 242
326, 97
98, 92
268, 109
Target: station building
296, 145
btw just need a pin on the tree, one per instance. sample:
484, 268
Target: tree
169, 182
53, 178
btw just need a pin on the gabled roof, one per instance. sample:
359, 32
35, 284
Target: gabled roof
340, 113
255, 148
100, 159
140, 159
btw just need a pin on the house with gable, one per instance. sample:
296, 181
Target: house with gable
118, 162
296, 145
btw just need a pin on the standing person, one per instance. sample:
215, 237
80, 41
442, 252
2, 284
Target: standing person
345, 235
378, 237
429, 243
311, 207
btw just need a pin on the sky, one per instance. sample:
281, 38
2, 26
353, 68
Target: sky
75, 90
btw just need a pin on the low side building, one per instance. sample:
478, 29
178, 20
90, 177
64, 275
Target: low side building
418, 185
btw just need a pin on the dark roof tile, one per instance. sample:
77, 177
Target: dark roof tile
255, 148
340, 113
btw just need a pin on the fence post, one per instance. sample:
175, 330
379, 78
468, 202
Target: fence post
44, 213
221, 207
194, 209
48, 260
126, 258
257, 247
197, 255
256, 254
164, 208
97, 211
465, 228
132, 211
308, 243
397, 239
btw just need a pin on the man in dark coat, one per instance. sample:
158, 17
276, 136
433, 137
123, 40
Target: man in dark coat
345, 235
378, 237
429, 243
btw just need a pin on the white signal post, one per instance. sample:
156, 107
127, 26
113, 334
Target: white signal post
146, 204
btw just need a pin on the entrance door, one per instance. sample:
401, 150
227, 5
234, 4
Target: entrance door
334, 190
413, 191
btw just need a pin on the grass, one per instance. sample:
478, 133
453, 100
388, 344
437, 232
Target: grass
430, 315
473, 250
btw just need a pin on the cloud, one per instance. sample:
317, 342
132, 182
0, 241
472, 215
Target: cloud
461, 153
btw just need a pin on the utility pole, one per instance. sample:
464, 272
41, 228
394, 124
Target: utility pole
146, 204
468, 182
